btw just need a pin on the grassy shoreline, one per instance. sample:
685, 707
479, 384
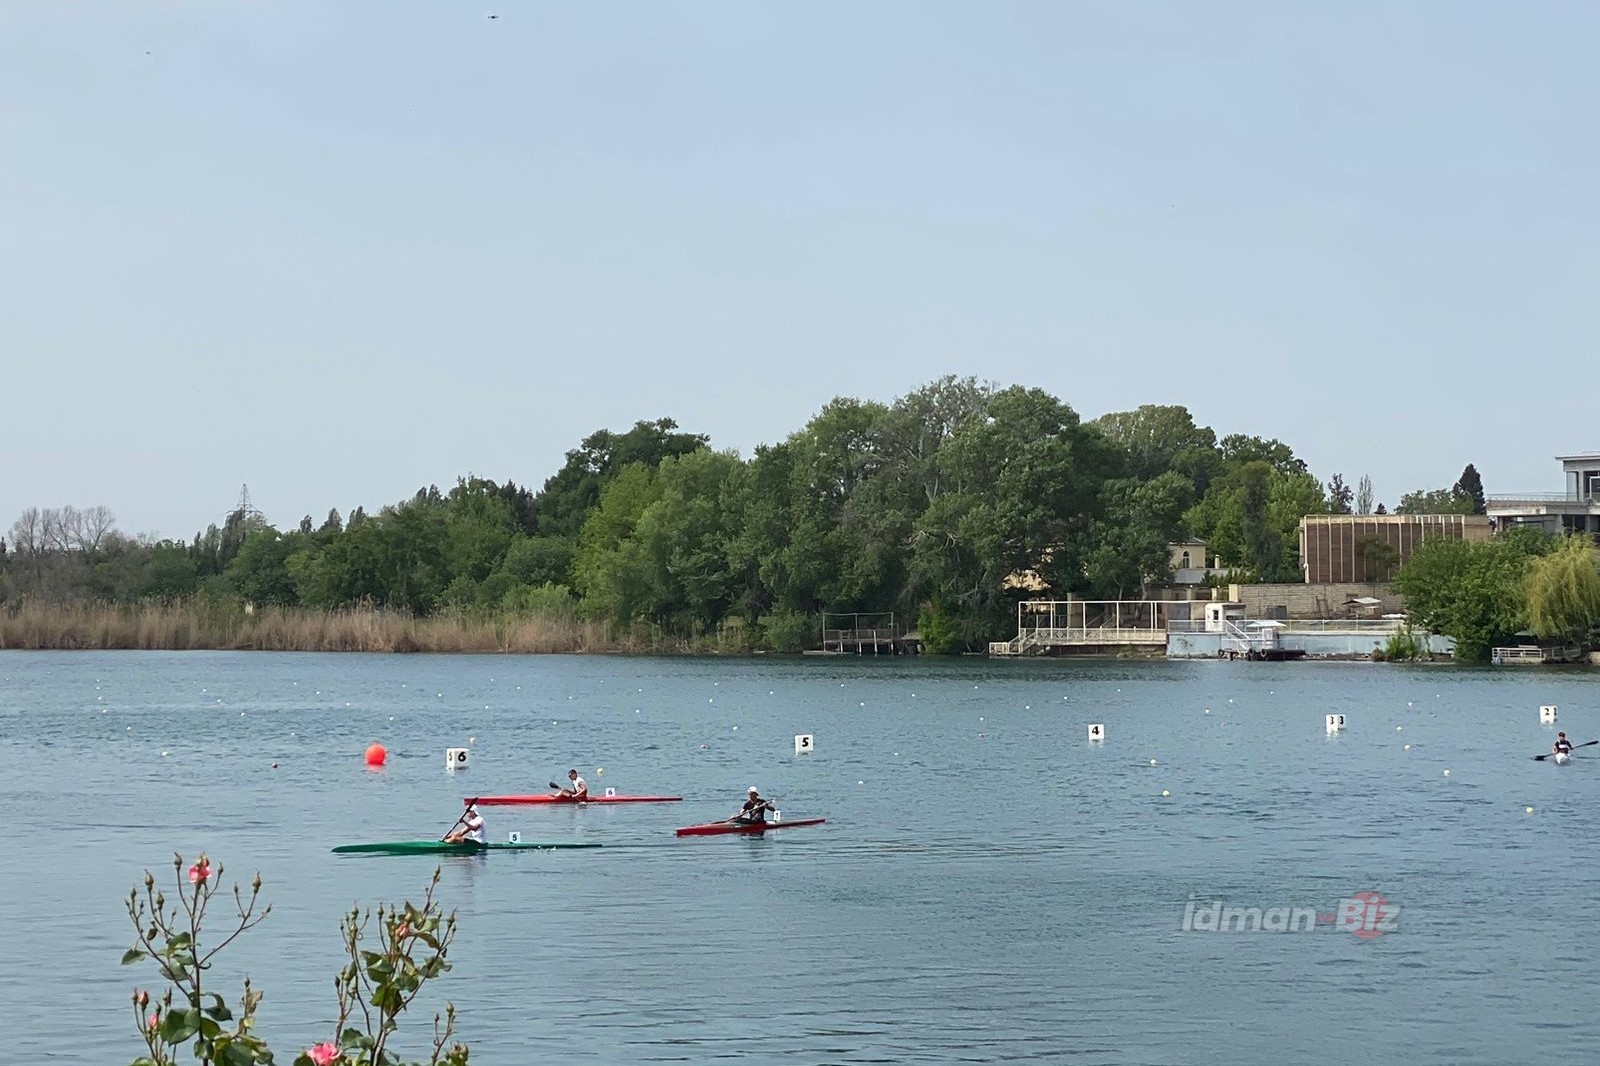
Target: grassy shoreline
197, 625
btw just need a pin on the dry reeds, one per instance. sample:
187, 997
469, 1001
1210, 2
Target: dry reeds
204, 624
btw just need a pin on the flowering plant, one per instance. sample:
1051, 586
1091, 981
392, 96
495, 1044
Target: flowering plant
373, 989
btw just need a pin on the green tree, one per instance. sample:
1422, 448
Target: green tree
610, 569
684, 537
1471, 591
568, 497
260, 571
1026, 485
170, 572
1563, 590
1435, 501
1128, 543
1160, 439
1341, 497
479, 528
1239, 450
1378, 558
1470, 485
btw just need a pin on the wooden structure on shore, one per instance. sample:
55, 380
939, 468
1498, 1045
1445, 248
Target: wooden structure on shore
861, 633
1047, 627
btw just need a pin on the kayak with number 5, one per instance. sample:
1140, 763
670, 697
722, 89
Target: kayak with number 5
440, 847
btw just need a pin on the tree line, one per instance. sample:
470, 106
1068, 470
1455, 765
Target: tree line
929, 506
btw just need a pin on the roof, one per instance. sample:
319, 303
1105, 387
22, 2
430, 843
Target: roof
1580, 455
1365, 601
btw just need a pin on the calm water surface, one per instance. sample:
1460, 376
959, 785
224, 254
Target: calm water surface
989, 887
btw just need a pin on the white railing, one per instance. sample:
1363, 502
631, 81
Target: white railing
1301, 625
1094, 635
1542, 497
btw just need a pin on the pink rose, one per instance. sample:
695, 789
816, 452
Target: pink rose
323, 1054
199, 872
154, 1021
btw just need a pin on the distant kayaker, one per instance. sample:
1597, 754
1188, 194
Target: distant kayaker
1562, 746
577, 787
754, 810
469, 829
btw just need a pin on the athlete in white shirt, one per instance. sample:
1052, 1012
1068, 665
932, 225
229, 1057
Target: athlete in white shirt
469, 830
578, 788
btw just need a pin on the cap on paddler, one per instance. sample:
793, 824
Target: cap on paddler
756, 790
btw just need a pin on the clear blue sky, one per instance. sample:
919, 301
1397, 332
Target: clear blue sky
342, 250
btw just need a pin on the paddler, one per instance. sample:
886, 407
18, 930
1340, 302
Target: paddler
1562, 746
469, 829
754, 810
577, 787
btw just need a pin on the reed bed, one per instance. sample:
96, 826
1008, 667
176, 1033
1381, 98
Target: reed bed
201, 624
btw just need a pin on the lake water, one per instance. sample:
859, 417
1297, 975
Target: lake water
990, 887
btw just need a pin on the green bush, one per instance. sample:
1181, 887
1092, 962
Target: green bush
787, 631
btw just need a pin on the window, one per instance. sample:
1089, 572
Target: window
1185, 560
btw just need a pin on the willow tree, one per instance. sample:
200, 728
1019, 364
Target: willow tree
1563, 590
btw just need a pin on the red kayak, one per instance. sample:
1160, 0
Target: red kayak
507, 801
715, 828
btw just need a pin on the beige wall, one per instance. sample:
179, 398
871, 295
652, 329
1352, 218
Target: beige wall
1314, 601
1196, 550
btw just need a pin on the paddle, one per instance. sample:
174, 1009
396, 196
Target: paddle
562, 789
770, 801
1575, 747
471, 803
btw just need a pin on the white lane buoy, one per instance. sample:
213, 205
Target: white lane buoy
1447, 773
1529, 810
1164, 792
1406, 747
1152, 762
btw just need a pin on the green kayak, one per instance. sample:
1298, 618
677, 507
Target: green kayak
439, 847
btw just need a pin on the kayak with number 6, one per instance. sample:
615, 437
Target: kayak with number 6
507, 801
718, 828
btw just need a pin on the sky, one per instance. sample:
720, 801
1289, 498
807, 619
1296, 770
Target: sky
338, 252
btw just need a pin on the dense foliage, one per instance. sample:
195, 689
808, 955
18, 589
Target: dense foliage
931, 506
1476, 592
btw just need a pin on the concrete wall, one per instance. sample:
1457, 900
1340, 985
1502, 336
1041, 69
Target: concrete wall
1346, 645
1313, 601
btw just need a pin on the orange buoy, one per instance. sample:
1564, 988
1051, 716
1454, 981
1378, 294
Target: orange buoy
376, 754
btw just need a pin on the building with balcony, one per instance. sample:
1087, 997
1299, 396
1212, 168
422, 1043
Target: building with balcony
1574, 510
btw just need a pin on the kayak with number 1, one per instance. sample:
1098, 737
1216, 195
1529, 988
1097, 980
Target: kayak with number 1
718, 828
